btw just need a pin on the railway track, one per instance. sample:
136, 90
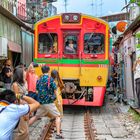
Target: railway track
48, 131
76, 124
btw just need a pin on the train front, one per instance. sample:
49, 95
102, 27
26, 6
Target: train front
77, 46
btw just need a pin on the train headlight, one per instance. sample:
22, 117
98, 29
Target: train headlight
67, 17
99, 78
71, 18
75, 17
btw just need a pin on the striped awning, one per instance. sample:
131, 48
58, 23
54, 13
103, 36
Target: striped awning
14, 47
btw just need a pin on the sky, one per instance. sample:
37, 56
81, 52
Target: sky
85, 6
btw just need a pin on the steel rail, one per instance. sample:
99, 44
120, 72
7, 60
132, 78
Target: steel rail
89, 131
88, 128
47, 131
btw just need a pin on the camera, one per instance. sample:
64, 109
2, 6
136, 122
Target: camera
35, 64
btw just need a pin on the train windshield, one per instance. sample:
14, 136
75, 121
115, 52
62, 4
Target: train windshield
70, 44
48, 43
94, 43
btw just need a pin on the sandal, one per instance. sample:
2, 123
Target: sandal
59, 136
60, 131
51, 120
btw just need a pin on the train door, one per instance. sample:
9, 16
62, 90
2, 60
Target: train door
93, 55
71, 44
70, 63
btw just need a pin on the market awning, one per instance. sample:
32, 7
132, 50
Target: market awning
14, 47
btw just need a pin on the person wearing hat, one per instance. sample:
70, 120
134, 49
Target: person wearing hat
71, 47
46, 88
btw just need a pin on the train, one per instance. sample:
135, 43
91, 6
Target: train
77, 46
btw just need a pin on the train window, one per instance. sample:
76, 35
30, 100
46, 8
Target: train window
94, 43
48, 43
70, 44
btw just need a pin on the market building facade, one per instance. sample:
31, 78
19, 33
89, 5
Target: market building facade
128, 50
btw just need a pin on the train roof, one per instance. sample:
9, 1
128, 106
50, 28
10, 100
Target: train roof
83, 15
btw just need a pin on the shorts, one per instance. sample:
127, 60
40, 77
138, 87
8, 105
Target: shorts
48, 109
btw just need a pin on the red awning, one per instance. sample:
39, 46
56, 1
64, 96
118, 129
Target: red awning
14, 47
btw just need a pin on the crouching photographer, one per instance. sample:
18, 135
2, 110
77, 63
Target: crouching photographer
10, 112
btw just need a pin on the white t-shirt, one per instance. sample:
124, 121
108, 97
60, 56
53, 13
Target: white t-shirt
9, 118
137, 72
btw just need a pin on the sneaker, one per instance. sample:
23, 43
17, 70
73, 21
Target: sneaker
59, 137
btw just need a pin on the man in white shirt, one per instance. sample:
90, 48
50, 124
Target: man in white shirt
10, 112
136, 69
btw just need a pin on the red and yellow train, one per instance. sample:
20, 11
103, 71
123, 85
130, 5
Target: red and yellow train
76, 45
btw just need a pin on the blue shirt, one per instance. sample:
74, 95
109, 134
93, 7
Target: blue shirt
9, 118
46, 93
